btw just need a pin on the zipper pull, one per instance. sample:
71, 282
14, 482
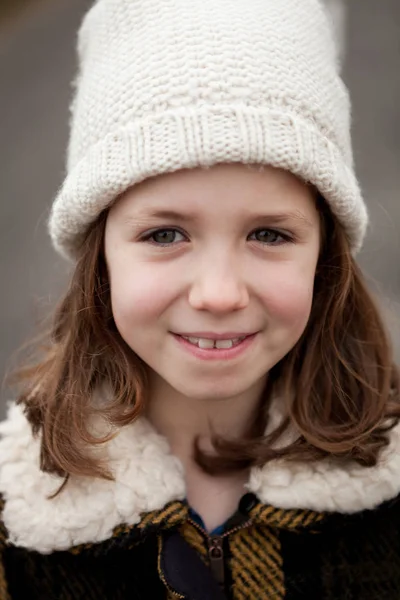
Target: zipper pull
216, 555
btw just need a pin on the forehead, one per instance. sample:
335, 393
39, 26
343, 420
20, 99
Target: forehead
221, 189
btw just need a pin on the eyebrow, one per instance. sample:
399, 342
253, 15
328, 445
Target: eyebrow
162, 214
295, 216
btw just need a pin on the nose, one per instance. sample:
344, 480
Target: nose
218, 287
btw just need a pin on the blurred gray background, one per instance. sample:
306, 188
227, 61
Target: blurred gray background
37, 64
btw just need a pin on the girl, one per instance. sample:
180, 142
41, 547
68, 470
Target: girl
216, 411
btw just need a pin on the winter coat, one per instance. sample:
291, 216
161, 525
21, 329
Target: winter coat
303, 531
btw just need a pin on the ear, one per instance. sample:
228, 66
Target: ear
337, 14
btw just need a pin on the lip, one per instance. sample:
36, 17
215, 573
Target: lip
209, 335
216, 354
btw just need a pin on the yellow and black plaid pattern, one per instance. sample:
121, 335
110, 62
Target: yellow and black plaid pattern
170, 516
256, 564
256, 559
285, 518
254, 552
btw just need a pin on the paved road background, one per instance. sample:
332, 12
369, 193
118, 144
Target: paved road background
37, 62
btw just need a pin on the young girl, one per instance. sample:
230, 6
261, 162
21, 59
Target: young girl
216, 411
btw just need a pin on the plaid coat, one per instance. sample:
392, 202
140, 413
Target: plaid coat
320, 532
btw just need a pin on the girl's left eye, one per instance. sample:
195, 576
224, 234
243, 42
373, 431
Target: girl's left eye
270, 237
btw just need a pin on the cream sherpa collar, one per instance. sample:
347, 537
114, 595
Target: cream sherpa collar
147, 477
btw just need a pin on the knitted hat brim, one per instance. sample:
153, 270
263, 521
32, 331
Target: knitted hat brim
190, 138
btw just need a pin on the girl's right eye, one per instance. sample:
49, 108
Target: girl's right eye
164, 237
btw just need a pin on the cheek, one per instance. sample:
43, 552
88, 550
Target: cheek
138, 295
288, 296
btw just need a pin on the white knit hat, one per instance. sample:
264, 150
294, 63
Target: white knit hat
171, 84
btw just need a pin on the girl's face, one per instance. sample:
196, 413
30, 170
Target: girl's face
219, 254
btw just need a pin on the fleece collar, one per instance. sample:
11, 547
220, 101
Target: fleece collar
148, 476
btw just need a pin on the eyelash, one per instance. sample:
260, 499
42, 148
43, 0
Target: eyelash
147, 237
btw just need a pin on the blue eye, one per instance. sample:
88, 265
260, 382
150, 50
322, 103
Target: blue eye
165, 237
270, 237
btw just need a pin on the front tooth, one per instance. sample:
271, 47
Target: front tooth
223, 344
193, 340
205, 344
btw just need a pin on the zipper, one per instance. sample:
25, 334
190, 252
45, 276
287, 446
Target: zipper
216, 556
169, 588
215, 545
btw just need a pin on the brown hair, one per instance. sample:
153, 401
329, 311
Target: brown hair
339, 384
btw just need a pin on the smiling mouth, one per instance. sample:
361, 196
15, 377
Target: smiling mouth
209, 344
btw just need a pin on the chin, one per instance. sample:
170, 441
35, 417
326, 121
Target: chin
214, 391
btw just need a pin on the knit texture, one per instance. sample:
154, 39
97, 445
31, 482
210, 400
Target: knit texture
171, 84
